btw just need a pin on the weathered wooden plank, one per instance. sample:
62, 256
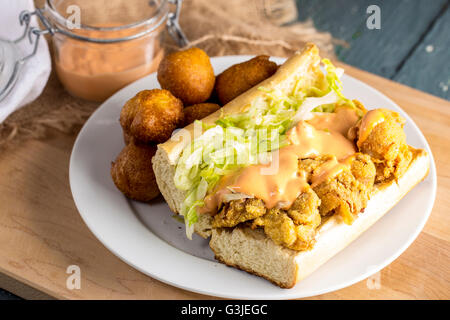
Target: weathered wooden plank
5, 295
428, 67
403, 23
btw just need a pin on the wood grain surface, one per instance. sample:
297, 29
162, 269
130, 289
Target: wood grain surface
41, 232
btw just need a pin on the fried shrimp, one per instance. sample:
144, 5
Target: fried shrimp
198, 111
151, 116
238, 211
132, 172
241, 77
293, 228
188, 74
346, 193
386, 144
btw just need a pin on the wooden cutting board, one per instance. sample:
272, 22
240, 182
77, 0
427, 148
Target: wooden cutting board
41, 232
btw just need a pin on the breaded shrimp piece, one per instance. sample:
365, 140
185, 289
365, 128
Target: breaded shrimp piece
293, 228
386, 144
346, 193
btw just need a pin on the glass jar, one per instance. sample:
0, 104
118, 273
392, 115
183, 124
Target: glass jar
101, 46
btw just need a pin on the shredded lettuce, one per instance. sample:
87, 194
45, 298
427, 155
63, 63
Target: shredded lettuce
247, 138
333, 80
333, 76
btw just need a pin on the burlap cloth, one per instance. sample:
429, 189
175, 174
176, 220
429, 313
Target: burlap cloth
220, 27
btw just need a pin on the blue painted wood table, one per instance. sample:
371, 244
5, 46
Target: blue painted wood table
412, 45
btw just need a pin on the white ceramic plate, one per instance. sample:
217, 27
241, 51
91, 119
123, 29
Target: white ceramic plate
148, 238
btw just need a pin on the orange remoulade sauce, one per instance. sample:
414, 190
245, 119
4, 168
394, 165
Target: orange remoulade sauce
370, 121
94, 71
324, 134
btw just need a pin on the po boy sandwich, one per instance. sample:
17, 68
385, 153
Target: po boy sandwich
290, 172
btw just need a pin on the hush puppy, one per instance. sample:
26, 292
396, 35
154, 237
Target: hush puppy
188, 74
151, 115
241, 77
132, 172
126, 137
199, 111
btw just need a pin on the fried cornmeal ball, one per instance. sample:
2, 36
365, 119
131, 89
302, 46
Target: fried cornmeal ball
127, 138
151, 115
241, 77
188, 74
132, 172
199, 111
